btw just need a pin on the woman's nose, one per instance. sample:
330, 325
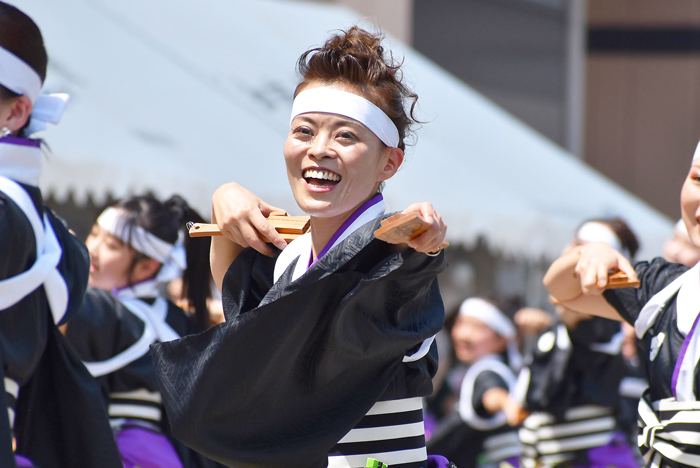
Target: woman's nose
321, 148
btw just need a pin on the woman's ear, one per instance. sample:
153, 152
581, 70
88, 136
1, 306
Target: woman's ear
392, 163
145, 268
17, 114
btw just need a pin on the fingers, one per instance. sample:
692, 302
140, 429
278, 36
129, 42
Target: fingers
596, 261
432, 239
627, 268
239, 215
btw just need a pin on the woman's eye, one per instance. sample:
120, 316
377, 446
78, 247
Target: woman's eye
695, 175
347, 136
303, 130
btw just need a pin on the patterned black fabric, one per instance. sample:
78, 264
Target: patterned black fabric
285, 377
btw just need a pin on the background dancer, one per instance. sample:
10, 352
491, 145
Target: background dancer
136, 247
328, 348
52, 402
664, 312
573, 376
477, 434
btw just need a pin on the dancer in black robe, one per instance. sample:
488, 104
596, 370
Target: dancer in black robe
574, 375
328, 346
54, 405
136, 248
664, 311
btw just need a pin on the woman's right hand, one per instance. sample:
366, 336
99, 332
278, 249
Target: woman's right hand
595, 261
241, 217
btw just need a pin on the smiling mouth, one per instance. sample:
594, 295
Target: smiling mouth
321, 178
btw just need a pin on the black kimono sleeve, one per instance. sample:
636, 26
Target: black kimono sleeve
280, 383
653, 277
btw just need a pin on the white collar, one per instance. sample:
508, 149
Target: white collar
688, 301
301, 247
21, 160
147, 288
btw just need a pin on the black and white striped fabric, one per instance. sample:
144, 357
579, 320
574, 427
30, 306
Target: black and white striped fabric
140, 404
396, 426
502, 447
583, 427
670, 432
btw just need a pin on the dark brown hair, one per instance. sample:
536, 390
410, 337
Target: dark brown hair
21, 36
356, 57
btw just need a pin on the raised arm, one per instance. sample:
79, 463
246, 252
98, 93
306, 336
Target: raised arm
577, 279
241, 217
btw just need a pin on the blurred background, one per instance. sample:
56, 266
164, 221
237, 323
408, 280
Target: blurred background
539, 113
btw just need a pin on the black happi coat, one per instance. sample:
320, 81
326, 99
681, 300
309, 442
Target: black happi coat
60, 419
103, 328
654, 276
298, 364
576, 375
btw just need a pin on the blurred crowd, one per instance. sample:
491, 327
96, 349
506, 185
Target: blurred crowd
522, 386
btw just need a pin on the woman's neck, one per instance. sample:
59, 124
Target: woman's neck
323, 229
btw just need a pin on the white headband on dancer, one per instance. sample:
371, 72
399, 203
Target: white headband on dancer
496, 321
490, 315
22, 79
335, 101
600, 232
172, 256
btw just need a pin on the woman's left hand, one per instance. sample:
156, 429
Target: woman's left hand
431, 240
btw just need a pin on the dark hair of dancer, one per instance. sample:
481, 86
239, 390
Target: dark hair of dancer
165, 221
21, 36
356, 57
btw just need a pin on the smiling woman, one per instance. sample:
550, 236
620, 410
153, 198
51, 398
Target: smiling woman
328, 346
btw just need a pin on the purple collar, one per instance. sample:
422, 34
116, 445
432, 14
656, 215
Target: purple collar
13, 140
348, 222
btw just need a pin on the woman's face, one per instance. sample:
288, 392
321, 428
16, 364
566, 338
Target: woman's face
335, 163
473, 339
110, 259
690, 203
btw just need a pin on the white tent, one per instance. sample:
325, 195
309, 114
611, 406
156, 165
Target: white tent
180, 96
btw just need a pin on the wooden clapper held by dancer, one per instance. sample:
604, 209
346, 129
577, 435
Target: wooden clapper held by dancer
397, 229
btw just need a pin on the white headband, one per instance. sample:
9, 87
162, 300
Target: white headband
334, 101
599, 232
696, 155
17, 76
172, 256
22, 79
490, 315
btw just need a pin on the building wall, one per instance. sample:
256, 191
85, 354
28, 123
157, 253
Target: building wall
392, 16
512, 51
643, 95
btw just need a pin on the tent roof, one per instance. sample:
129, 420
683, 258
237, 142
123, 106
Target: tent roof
177, 98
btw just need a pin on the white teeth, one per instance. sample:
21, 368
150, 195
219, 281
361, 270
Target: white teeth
323, 175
